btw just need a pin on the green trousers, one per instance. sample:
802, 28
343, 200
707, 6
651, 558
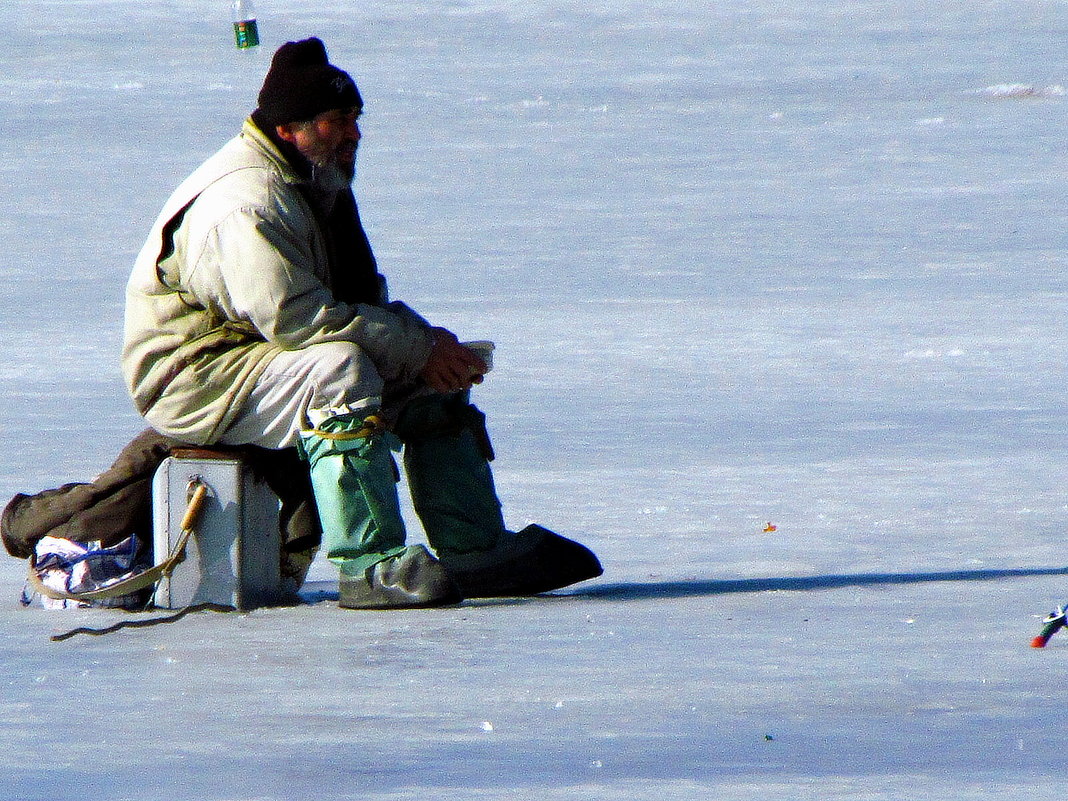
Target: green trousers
352, 475
449, 476
354, 481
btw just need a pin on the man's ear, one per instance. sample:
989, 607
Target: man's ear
286, 132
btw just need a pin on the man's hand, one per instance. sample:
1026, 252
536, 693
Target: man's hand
451, 367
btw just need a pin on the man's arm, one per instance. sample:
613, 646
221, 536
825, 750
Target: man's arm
258, 269
449, 368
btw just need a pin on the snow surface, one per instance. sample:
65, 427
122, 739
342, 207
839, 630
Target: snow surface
798, 263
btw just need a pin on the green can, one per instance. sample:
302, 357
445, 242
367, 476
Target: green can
246, 34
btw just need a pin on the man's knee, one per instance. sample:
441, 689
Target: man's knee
336, 377
435, 416
336, 366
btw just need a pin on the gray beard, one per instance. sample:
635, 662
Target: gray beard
328, 180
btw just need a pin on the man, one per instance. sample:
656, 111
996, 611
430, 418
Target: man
256, 315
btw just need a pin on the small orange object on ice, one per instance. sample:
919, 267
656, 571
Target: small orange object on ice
770, 527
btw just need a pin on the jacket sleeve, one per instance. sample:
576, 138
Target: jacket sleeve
257, 267
399, 307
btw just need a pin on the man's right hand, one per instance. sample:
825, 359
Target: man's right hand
451, 367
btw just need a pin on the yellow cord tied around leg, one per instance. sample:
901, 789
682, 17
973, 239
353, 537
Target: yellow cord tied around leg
372, 424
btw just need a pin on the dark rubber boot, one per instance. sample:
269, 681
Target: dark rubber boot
533, 561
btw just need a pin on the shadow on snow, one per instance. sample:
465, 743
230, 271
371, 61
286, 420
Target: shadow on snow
637, 591
319, 591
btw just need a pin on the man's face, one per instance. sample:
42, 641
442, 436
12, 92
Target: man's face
328, 140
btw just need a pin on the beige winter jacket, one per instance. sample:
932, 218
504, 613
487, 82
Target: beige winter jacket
235, 271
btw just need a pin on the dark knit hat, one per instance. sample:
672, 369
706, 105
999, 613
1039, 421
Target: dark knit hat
302, 83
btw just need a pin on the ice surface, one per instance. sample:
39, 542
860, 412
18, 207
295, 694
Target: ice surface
798, 263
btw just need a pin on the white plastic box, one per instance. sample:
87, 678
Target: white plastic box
233, 556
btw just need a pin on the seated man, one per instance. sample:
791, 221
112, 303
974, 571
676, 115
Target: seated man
255, 314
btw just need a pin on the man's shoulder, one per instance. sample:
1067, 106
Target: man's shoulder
241, 159
240, 174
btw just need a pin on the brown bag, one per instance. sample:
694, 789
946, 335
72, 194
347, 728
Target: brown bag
118, 503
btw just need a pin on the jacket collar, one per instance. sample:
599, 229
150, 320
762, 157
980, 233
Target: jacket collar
294, 168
